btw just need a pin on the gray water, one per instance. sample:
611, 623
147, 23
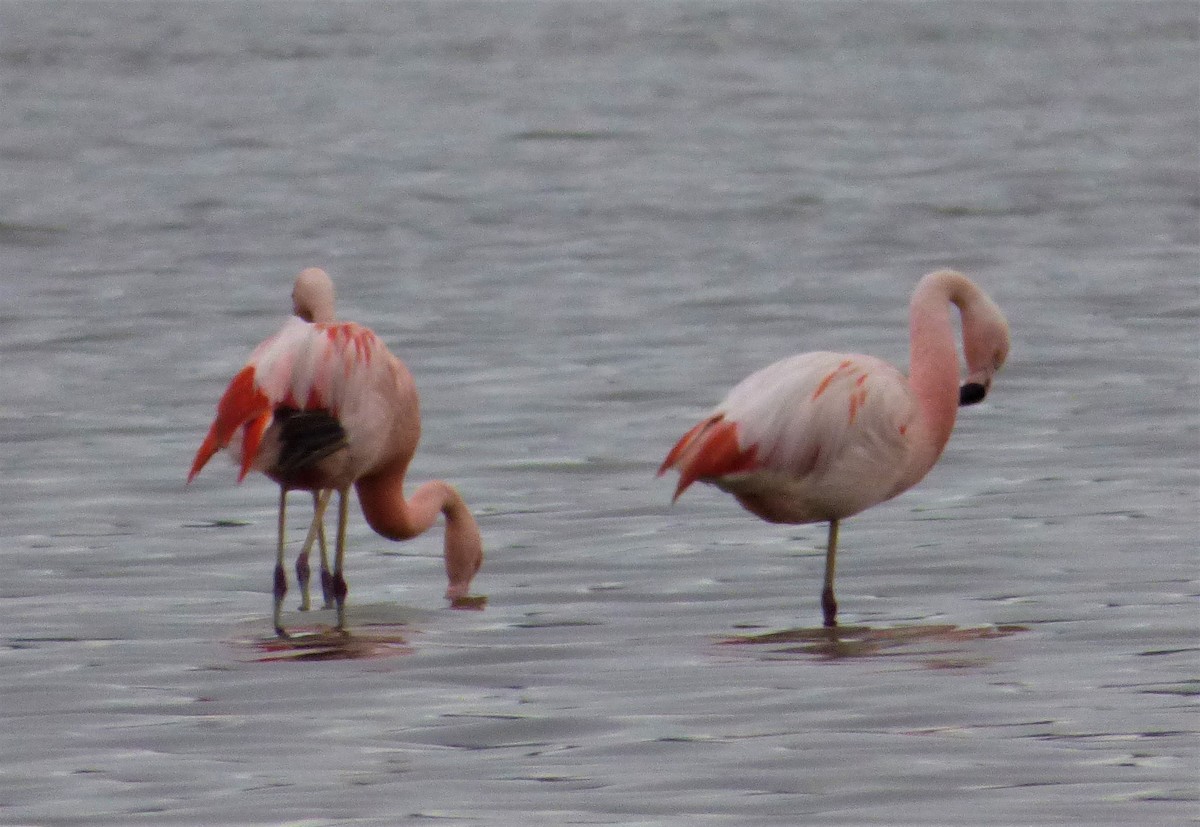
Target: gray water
579, 224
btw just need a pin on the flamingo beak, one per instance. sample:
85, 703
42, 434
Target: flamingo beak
971, 392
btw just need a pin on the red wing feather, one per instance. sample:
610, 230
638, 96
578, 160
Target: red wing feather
252, 438
707, 451
241, 404
303, 366
681, 446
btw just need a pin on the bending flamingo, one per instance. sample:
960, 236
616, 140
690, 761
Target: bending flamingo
322, 406
819, 437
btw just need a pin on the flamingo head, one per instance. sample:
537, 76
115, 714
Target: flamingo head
986, 344
312, 296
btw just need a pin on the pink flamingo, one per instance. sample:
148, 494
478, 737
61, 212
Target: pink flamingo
321, 406
819, 437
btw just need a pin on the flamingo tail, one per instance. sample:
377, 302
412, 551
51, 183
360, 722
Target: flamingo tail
707, 451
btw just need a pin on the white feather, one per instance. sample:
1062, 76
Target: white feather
832, 433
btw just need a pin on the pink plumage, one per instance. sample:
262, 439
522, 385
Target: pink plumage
323, 405
822, 436
302, 367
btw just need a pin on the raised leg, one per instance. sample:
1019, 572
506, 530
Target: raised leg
339, 587
280, 575
828, 603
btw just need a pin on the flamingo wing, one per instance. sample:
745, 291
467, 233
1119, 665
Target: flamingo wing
303, 367
819, 433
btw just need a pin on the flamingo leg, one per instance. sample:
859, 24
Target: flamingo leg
828, 603
326, 576
280, 575
304, 573
339, 587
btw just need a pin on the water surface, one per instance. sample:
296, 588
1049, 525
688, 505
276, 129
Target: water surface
579, 224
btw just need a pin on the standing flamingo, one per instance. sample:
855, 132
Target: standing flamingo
321, 406
819, 437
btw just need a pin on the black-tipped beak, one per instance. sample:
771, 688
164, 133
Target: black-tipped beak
971, 393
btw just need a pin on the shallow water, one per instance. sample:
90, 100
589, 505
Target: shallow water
579, 224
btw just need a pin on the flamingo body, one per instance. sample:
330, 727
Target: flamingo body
813, 437
341, 368
323, 406
819, 437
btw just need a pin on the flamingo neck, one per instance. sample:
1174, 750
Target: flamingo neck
933, 360
381, 496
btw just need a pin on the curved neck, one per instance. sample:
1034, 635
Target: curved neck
933, 358
381, 496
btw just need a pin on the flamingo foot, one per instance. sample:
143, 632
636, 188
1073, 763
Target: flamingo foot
327, 589
829, 607
340, 590
279, 592
303, 574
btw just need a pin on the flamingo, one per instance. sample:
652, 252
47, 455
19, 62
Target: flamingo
322, 406
819, 437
